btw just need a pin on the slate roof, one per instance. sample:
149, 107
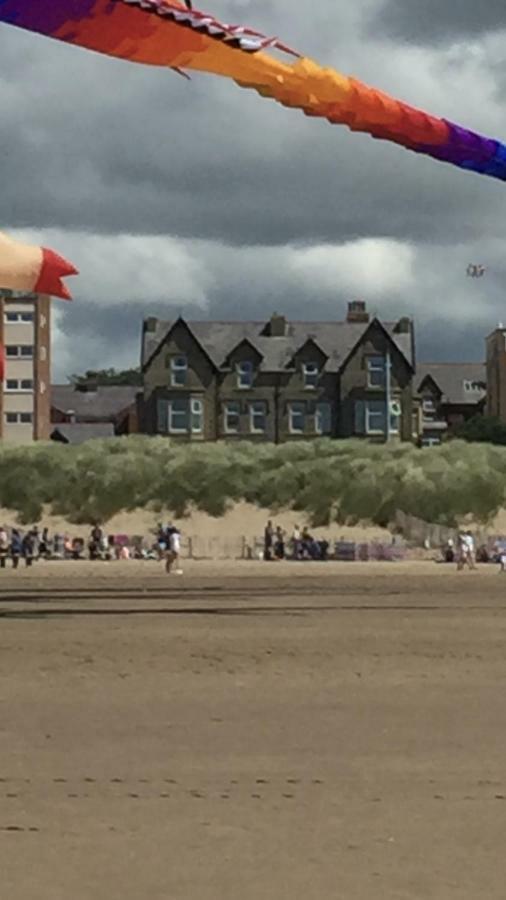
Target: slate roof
102, 405
79, 433
336, 340
451, 379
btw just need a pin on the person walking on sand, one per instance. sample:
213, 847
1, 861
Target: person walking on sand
16, 547
173, 551
466, 551
4, 547
268, 541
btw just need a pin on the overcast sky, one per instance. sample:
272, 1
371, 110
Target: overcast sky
199, 198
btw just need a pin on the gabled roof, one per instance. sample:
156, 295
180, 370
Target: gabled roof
104, 404
459, 383
81, 432
336, 340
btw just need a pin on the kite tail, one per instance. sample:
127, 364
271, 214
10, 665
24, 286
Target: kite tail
343, 100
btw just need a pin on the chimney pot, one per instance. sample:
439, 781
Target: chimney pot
357, 312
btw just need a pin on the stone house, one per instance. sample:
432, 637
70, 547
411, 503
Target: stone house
278, 381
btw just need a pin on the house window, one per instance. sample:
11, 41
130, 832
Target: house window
473, 387
178, 371
26, 418
370, 417
258, 417
11, 317
376, 371
197, 414
11, 418
310, 373
323, 418
375, 417
428, 408
178, 420
245, 374
296, 418
232, 417
13, 384
15, 351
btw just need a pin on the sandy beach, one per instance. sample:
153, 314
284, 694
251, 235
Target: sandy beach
254, 730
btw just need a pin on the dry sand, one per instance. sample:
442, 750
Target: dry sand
252, 731
243, 519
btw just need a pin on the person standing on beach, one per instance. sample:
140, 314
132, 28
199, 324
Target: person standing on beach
268, 541
466, 551
16, 548
4, 547
173, 551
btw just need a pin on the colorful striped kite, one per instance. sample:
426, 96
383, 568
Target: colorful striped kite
32, 269
169, 33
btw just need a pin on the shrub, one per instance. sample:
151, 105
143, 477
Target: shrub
350, 480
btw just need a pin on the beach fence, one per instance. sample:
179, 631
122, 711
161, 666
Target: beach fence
427, 534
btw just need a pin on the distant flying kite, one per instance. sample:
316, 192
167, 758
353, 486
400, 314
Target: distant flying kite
474, 271
171, 33
31, 269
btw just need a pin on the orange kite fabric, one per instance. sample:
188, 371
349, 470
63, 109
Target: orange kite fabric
32, 270
168, 33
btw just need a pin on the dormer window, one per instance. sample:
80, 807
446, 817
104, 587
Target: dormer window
245, 374
310, 374
178, 371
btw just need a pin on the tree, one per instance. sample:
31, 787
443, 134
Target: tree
484, 429
108, 377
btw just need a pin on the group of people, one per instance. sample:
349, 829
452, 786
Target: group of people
466, 555
465, 552
16, 545
301, 545
35, 544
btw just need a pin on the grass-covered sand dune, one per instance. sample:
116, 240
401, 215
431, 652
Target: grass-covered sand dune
347, 481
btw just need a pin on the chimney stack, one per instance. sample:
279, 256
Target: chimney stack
357, 312
277, 326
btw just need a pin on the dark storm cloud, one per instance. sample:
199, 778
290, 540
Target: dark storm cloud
433, 21
102, 145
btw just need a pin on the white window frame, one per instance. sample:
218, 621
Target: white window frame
373, 365
245, 370
231, 408
318, 427
18, 354
18, 418
369, 413
19, 389
196, 409
171, 429
178, 368
310, 370
253, 412
25, 318
429, 410
296, 408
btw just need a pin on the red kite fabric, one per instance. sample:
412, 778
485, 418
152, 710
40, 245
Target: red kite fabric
32, 269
